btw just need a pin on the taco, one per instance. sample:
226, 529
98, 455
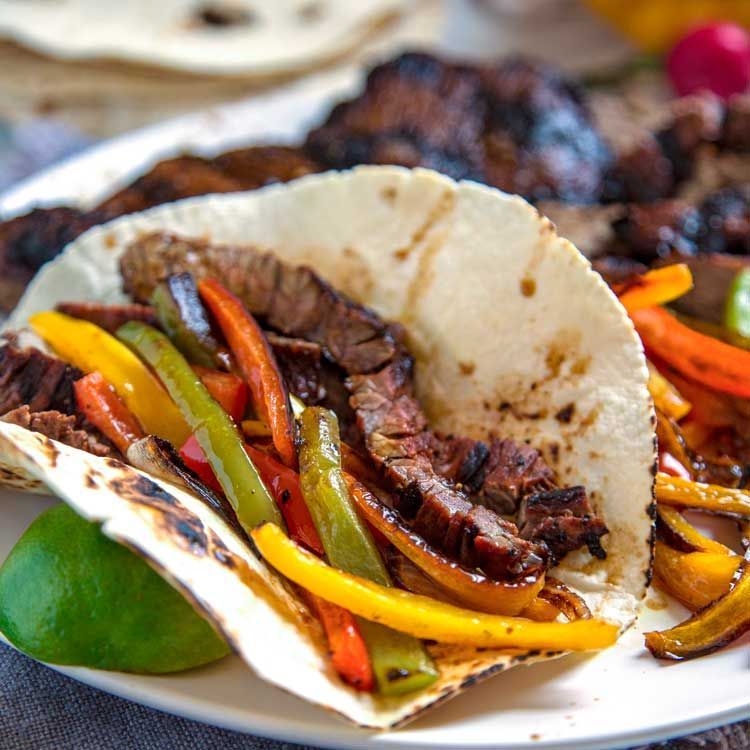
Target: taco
488, 502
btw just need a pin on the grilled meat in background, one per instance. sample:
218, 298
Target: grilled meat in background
517, 125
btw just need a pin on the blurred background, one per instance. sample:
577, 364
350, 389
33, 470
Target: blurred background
78, 71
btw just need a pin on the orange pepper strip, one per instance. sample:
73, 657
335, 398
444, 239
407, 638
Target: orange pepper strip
100, 404
717, 625
655, 287
471, 588
256, 361
684, 493
666, 397
705, 359
226, 388
694, 578
679, 533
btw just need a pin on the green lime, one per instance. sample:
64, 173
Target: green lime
70, 595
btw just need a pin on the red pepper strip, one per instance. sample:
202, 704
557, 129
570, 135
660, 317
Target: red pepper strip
101, 405
703, 358
668, 464
285, 487
226, 388
195, 459
257, 364
348, 650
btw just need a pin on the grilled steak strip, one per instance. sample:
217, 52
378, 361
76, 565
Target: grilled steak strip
36, 392
60, 427
29, 241
292, 300
109, 317
40, 381
562, 520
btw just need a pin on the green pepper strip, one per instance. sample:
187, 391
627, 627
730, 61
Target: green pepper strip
212, 426
400, 662
737, 307
199, 349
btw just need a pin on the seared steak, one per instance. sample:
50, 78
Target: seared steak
29, 241
299, 362
563, 520
41, 382
60, 427
109, 317
291, 300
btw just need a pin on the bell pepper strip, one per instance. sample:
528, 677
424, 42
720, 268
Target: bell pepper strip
420, 616
101, 405
540, 610
655, 287
695, 579
673, 528
469, 587
737, 306
666, 397
401, 663
194, 458
683, 493
706, 360
227, 389
213, 427
668, 464
183, 318
90, 348
347, 646
257, 364
284, 484
254, 428
715, 626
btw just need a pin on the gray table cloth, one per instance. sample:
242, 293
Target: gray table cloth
43, 710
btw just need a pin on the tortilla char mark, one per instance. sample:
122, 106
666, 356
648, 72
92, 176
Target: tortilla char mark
297, 302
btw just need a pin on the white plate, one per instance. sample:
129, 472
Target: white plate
618, 698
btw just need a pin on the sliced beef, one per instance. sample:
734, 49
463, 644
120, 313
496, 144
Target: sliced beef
292, 300
29, 241
539, 137
109, 317
653, 167
415, 110
511, 472
562, 519
300, 364
412, 457
41, 382
60, 427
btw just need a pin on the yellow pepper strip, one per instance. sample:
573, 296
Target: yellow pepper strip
679, 533
419, 615
683, 493
655, 287
91, 349
694, 578
540, 610
254, 428
667, 398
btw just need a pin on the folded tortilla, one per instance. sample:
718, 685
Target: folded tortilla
513, 333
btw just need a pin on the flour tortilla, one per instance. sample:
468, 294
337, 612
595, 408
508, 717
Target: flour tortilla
512, 332
280, 37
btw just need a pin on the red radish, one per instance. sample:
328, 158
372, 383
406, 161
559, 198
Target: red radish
714, 57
